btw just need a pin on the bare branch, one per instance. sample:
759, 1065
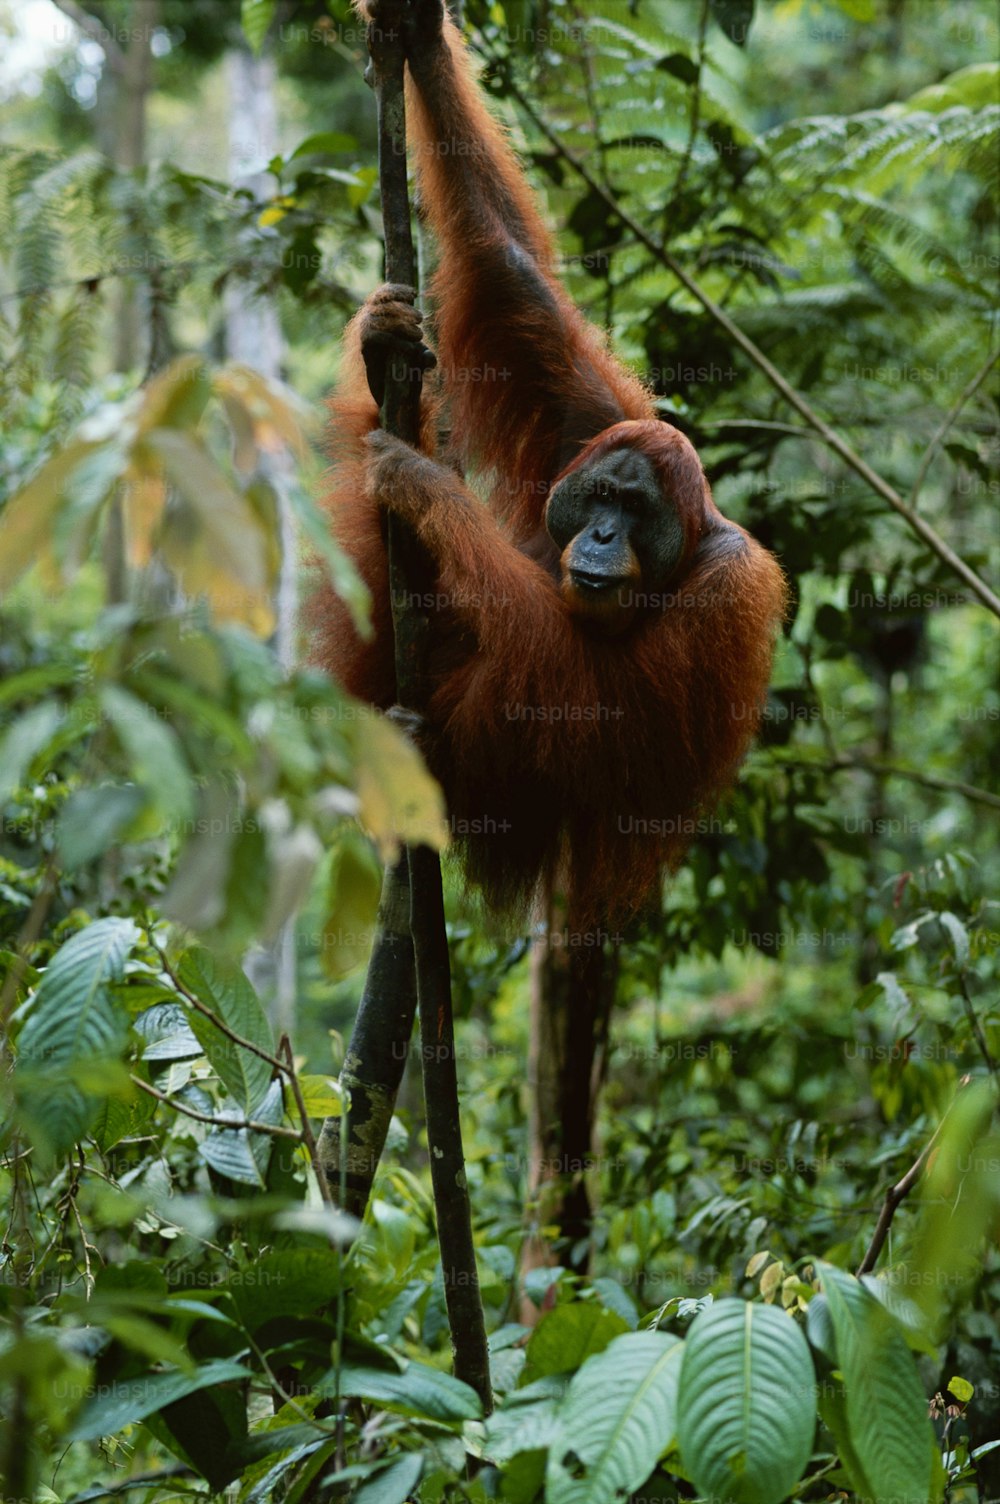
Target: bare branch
275, 1130
843, 762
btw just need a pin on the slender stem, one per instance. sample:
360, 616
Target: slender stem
843, 763
894, 1196
966, 394
308, 1137
275, 1130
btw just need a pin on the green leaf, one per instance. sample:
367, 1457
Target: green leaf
72, 1019
352, 901
959, 1202
215, 542
734, 18
72, 1014
123, 1402
255, 18
241, 1154
325, 143
394, 1484
886, 1408
618, 1415
418, 1390
153, 751
746, 1410
93, 820
976, 87
565, 1338
28, 519
36, 681
227, 992
958, 935
23, 742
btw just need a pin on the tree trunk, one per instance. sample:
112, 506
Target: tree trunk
134, 82
253, 337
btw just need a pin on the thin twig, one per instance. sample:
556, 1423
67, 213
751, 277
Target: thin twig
895, 1195
794, 398
275, 1130
976, 1026
932, 448
844, 763
247, 1044
308, 1137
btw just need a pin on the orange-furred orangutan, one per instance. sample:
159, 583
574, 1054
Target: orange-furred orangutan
601, 636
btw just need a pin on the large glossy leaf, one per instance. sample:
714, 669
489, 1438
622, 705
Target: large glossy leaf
72, 1014
153, 751
565, 1338
618, 1415
747, 1408
71, 1020
885, 1407
229, 995
419, 1390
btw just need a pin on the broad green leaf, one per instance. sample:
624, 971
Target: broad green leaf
176, 397
125, 1401
885, 1405
240, 1153
289, 1282
400, 802
352, 902
229, 1153
734, 18
976, 87
153, 751
94, 819
227, 992
218, 546
27, 522
191, 701
324, 142
565, 1338
394, 1484
517, 1426
73, 1025
72, 1014
255, 18
618, 1416
25, 739
418, 1390
321, 1095
959, 1203
747, 1408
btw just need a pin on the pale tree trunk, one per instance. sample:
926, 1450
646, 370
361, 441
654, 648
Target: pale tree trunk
253, 337
134, 83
